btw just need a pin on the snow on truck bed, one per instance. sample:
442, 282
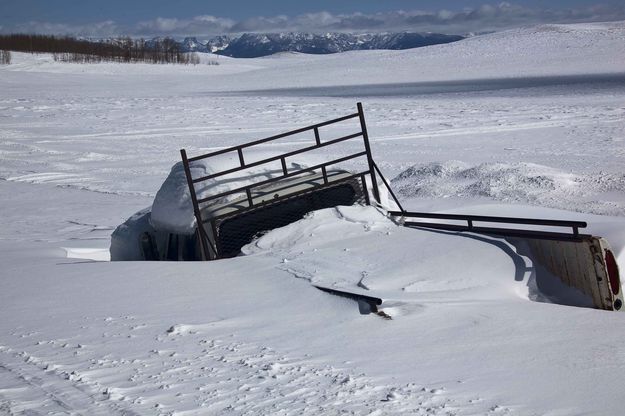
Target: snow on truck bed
349, 239
172, 209
84, 147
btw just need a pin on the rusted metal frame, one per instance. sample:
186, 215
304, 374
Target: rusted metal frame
274, 158
277, 136
196, 206
371, 300
363, 180
199, 230
504, 232
283, 163
339, 182
288, 175
241, 160
217, 246
365, 136
212, 246
484, 218
388, 187
324, 173
248, 194
323, 168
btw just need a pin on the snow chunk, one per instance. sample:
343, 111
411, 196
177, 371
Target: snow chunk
95, 254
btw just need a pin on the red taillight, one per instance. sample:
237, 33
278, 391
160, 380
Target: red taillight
613, 275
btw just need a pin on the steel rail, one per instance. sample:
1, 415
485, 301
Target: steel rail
275, 137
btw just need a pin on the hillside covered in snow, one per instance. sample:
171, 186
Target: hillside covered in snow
528, 122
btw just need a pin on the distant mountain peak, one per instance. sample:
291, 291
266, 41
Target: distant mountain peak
252, 45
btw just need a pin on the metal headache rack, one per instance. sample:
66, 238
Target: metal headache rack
583, 261
311, 187
267, 202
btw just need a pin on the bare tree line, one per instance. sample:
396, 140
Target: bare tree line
5, 57
68, 49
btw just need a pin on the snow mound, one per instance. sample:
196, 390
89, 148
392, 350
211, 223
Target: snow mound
526, 183
501, 181
324, 222
360, 248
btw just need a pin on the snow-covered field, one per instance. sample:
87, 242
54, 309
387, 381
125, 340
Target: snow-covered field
528, 122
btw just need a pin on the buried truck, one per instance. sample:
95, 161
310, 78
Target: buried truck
213, 204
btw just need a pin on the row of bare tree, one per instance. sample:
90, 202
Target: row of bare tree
69, 49
5, 57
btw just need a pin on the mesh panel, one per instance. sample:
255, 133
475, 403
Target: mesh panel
233, 232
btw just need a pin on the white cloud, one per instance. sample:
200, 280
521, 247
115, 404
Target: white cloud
261, 24
198, 25
486, 17
103, 28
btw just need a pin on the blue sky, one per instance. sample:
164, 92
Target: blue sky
196, 17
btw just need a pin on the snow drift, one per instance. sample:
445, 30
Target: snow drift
524, 183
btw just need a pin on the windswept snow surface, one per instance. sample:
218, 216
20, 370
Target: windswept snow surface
528, 122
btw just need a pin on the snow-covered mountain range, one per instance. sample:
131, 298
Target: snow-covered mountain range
252, 45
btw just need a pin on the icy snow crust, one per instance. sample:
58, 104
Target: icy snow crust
83, 147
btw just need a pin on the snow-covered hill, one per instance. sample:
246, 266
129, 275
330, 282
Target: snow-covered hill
527, 122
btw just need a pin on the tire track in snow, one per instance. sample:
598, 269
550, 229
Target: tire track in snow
199, 369
48, 390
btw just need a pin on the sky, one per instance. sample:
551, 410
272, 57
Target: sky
198, 18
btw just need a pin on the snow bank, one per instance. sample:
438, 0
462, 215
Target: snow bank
360, 247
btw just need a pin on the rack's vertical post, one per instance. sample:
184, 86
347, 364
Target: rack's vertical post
196, 207
363, 126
